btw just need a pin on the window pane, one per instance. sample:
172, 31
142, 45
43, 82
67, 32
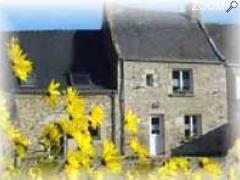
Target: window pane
187, 120
155, 121
195, 118
176, 80
176, 74
187, 123
186, 75
155, 131
149, 79
195, 124
95, 133
81, 79
186, 80
187, 133
176, 83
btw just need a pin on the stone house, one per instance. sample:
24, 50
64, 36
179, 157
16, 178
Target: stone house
161, 65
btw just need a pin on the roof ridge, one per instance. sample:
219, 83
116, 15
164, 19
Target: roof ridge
211, 42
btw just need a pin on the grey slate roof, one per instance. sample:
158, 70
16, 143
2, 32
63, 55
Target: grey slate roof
150, 35
57, 53
226, 38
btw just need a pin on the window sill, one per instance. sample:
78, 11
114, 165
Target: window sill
184, 94
187, 140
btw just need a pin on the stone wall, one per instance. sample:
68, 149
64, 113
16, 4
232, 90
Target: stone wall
233, 75
33, 113
209, 98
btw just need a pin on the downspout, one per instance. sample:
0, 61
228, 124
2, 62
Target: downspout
113, 135
122, 107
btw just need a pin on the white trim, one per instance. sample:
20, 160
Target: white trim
238, 87
181, 79
161, 133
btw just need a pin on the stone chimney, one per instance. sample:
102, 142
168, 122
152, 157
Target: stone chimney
193, 11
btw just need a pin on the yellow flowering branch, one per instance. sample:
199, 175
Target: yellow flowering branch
22, 66
110, 157
131, 123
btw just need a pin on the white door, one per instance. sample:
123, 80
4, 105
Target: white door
156, 136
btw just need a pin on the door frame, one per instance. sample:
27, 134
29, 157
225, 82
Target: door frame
161, 117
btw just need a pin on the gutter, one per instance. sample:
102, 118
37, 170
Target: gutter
173, 61
35, 91
122, 108
211, 42
113, 118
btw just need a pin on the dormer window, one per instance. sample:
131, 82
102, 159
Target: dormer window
80, 79
31, 81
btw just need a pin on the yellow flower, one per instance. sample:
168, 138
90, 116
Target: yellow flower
20, 151
19, 141
97, 115
67, 126
71, 127
197, 175
171, 169
53, 93
131, 121
110, 157
74, 104
72, 159
76, 159
71, 172
84, 141
71, 94
86, 150
22, 66
35, 173
209, 167
137, 148
98, 175
12, 134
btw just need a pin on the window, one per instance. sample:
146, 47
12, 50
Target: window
155, 125
193, 126
80, 79
150, 80
182, 81
31, 81
95, 133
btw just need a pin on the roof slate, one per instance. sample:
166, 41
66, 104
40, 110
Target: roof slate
226, 38
57, 53
150, 35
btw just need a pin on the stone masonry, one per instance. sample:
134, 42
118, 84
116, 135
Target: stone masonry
33, 113
209, 98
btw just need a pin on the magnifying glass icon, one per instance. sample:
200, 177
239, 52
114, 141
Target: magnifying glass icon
233, 4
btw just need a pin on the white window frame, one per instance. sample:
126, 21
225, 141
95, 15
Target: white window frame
181, 81
190, 126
